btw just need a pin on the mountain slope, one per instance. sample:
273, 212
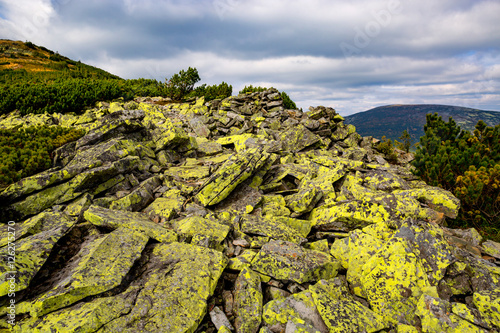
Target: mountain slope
392, 120
20, 59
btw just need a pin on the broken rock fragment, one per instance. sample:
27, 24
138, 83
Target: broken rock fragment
248, 301
289, 261
233, 172
113, 219
100, 266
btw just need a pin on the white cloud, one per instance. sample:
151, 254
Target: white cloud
26, 19
404, 51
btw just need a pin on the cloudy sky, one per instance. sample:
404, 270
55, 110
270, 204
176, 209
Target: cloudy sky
352, 55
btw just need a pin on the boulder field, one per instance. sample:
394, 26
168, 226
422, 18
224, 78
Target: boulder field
235, 215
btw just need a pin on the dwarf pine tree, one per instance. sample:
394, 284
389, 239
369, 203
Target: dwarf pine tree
468, 164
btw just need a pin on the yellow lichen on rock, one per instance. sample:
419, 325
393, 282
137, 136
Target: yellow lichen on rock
393, 280
488, 303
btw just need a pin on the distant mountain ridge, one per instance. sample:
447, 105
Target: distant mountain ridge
392, 120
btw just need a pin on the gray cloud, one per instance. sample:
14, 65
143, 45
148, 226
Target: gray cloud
350, 55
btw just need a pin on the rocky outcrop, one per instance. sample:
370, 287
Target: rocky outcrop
235, 215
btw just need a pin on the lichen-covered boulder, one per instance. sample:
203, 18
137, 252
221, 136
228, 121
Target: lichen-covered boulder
341, 313
437, 198
304, 200
81, 317
243, 260
168, 205
433, 250
139, 198
393, 280
79, 205
248, 301
353, 252
492, 248
114, 219
488, 304
41, 222
349, 215
190, 169
201, 230
94, 181
29, 254
267, 226
277, 313
289, 261
101, 265
112, 126
436, 316
242, 200
175, 285
165, 133
297, 138
233, 172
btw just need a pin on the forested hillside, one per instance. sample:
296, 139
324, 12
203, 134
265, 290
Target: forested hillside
392, 120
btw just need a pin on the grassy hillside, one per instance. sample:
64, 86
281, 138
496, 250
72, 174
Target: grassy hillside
20, 60
392, 120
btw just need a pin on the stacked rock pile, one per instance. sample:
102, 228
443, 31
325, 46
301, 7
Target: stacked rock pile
236, 215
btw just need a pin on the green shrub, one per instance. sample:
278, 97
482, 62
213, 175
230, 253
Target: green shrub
144, 88
287, 101
405, 143
27, 151
251, 89
220, 91
468, 164
30, 45
181, 84
63, 95
386, 147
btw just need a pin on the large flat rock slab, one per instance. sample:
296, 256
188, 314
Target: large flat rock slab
289, 261
176, 284
29, 254
271, 227
248, 301
101, 265
113, 219
232, 173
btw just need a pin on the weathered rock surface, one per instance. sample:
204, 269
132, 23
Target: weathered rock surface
235, 215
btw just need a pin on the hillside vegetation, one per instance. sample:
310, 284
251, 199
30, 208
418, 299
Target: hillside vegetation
468, 164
